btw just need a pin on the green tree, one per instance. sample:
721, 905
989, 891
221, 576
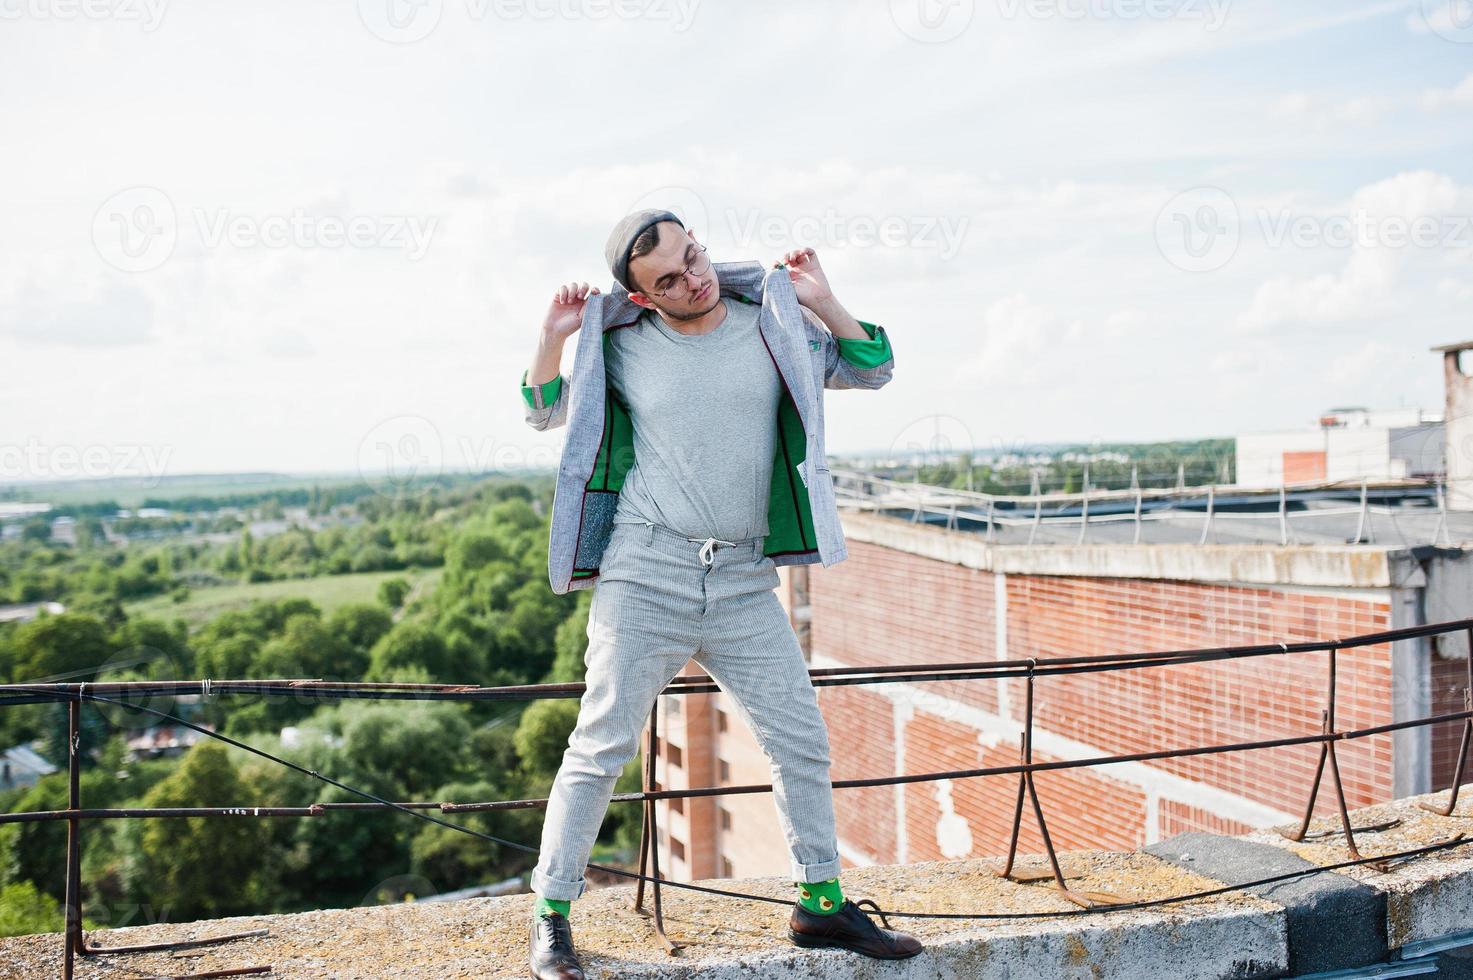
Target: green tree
67, 647
411, 651
570, 643
156, 649
207, 866
395, 751
392, 592
245, 554
452, 859
36, 851
359, 626
25, 911
306, 647
402, 750
542, 736
90, 532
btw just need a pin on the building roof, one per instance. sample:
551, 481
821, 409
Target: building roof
1395, 514
22, 758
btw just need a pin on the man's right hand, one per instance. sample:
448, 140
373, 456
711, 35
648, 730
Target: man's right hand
565, 315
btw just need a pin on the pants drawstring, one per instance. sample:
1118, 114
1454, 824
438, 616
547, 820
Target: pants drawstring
707, 548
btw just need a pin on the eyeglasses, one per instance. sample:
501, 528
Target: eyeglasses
697, 266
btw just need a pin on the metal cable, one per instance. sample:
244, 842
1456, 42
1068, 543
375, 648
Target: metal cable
1458, 841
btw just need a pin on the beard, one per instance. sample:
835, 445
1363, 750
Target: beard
684, 315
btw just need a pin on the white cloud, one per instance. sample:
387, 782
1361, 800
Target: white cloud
1017, 339
1358, 366
1361, 289
1378, 255
110, 314
1459, 95
1323, 112
1026, 162
1458, 290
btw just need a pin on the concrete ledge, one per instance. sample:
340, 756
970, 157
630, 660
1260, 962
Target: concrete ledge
1320, 566
1334, 922
1426, 899
1235, 935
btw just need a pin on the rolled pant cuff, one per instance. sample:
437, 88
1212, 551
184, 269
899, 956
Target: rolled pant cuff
555, 889
816, 872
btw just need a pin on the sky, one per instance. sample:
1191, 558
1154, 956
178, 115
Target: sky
301, 235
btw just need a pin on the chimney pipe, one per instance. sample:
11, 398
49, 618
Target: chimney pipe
1458, 427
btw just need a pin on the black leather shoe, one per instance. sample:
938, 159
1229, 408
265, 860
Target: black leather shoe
850, 928
552, 949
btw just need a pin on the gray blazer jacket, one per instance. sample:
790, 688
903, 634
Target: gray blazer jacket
805, 527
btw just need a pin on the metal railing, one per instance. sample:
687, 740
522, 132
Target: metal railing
1031, 671
863, 490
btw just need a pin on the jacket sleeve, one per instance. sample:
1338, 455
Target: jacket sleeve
850, 363
547, 403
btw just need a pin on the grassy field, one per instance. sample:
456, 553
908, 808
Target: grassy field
327, 591
133, 491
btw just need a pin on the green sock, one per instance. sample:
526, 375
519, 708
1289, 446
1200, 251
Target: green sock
820, 897
546, 906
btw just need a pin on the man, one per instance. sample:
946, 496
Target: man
694, 465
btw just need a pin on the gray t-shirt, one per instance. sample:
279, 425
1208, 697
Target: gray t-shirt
704, 410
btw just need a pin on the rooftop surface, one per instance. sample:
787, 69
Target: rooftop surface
1398, 514
1230, 935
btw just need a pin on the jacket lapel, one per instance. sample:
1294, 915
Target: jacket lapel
781, 325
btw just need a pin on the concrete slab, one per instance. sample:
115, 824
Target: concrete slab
1427, 898
1237, 934
1334, 922
1319, 565
1227, 936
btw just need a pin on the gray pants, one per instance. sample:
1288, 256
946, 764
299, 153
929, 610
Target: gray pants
657, 605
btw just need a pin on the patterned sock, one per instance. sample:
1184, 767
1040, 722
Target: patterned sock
820, 897
546, 906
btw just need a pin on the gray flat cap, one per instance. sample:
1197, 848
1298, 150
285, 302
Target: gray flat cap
621, 239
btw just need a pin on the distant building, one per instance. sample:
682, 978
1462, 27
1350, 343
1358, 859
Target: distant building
1458, 410
163, 740
24, 612
15, 514
22, 766
292, 737
1349, 444
11, 510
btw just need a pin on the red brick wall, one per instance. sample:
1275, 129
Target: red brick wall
1084, 809
889, 607
1304, 466
1449, 679
884, 606
1243, 700
1176, 818
754, 844
881, 606
862, 745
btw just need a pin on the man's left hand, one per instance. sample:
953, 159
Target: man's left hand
807, 277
